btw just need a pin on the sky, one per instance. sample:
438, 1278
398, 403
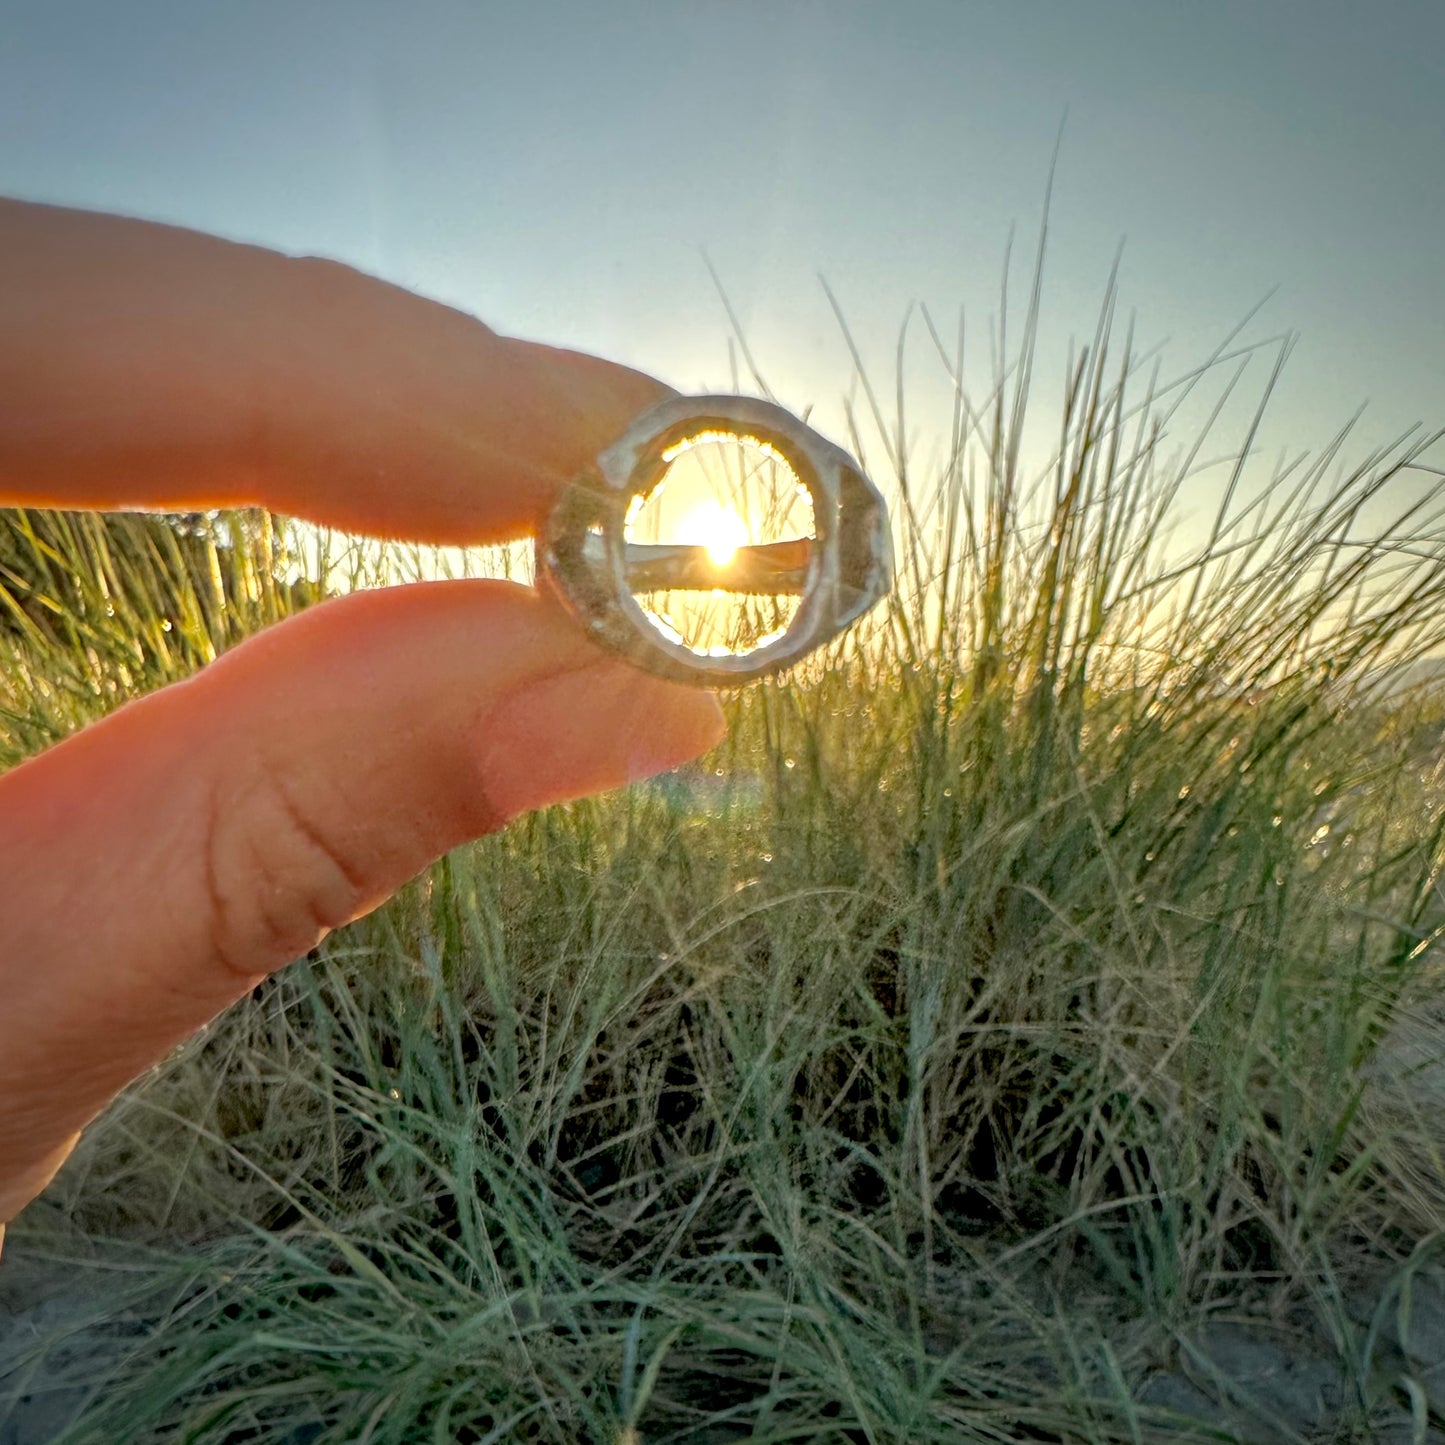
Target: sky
567, 171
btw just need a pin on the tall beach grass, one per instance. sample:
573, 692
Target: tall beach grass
1016, 989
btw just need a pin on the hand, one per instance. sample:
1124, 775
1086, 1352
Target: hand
156, 866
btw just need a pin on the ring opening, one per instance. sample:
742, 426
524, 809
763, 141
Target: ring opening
718, 552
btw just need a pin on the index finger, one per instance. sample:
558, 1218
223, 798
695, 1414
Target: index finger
146, 366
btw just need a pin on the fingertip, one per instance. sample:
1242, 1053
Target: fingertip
587, 730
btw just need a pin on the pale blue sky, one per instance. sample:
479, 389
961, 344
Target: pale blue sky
558, 168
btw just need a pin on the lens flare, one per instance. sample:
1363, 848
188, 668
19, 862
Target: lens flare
720, 530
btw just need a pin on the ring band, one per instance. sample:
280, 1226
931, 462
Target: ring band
585, 559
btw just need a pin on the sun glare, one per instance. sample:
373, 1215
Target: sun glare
716, 528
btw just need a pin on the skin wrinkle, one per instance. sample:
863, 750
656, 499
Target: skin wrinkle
293, 921
290, 897
313, 835
229, 945
288, 922
215, 904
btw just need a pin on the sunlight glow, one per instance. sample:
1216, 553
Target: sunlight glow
717, 528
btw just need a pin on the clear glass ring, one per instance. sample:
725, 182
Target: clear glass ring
717, 541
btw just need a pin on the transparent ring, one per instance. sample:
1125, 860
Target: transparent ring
589, 558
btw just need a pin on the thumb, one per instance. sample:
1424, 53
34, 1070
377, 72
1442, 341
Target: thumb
161, 862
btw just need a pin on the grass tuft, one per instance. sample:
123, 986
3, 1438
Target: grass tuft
1039, 975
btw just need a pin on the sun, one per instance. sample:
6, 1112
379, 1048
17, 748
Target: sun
717, 529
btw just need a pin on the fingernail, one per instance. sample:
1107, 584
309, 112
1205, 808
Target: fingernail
584, 731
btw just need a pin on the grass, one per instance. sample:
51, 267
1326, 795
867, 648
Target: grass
1011, 993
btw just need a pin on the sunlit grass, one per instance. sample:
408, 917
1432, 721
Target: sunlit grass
1003, 998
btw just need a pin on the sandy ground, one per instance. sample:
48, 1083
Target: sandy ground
61, 1333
